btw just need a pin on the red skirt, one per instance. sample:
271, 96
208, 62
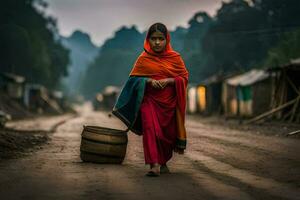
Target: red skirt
159, 124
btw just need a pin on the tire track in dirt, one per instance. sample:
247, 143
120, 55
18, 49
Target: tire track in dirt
284, 146
246, 145
264, 188
265, 165
217, 187
254, 192
254, 151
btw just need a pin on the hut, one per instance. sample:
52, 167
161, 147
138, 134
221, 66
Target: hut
248, 94
12, 84
109, 96
37, 98
286, 94
33, 96
209, 95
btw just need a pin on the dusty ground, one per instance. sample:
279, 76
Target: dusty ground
220, 163
14, 144
24, 136
270, 127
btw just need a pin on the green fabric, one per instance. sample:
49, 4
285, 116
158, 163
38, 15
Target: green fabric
129, 101
244, 93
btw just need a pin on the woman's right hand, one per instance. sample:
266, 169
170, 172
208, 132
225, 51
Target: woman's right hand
155, 83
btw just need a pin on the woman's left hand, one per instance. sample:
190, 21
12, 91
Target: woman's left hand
165, 82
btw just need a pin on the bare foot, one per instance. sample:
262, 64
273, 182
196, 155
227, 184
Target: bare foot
154, 170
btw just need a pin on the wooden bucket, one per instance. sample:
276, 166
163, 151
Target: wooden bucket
103, 145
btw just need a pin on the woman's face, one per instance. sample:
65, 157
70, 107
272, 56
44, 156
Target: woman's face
157, 42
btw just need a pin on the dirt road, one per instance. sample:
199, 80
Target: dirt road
220, 163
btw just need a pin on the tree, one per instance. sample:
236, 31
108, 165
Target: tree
114, 62
288, 48
28, 43
193, 53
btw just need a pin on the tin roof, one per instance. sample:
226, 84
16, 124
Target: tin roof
248, 78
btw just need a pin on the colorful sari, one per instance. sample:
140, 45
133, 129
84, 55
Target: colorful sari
158, 114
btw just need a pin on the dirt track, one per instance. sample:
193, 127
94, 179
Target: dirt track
220, 163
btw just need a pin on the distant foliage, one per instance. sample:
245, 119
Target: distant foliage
113, 64
27, 43
193, 51
82, 53
288, 48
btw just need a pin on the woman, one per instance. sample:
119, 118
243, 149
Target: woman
152, 102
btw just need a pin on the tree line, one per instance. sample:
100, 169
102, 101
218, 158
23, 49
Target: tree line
29, 43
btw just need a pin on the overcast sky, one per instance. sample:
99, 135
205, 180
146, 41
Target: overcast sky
100, 18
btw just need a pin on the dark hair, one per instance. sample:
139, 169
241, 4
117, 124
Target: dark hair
157, 27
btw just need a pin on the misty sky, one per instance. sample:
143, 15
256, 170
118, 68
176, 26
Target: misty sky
100, 18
